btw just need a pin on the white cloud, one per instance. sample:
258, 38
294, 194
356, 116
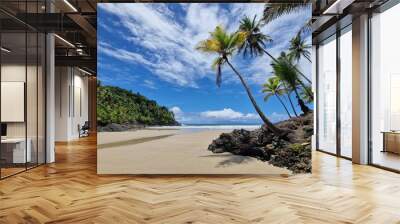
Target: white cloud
123, 55
275, 117
228, 114
223, 116
149, 84
176, 110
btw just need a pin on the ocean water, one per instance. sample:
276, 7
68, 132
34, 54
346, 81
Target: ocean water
205, 127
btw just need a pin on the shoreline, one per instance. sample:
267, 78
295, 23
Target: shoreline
130, 128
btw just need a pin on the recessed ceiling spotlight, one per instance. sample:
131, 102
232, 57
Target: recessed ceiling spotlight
84, 71
64, 40
5, 50
337, 7
70, 5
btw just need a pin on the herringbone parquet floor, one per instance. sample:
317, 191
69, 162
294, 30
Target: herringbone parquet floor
69, 191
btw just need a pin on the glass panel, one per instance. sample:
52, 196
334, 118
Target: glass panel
13, 87
346, 93
31, 98
23, 90
327, 96
41, 99
385, 92
32, 89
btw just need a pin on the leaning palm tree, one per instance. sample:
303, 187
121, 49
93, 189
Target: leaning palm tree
285, 71
273, 87
224, 44
299, 48
255, 42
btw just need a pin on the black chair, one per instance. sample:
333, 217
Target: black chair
84, 130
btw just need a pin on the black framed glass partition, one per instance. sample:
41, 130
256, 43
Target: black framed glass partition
385, 88
23, 88
334, 93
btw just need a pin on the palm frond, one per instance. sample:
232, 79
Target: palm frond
306, 28
298, 48
209, 46
273, 11
285, 70
254, 40
267, 96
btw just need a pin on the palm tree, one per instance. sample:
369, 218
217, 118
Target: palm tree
305, 96
285, 71
273, 87
255, 40
224, 44
288, 92
298, 48
273, 11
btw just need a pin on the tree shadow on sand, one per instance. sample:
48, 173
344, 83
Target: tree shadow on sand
232, 160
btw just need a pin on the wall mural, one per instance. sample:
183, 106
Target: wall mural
202, 88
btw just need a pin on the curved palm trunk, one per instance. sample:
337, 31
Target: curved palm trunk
302, 105
291, 104
284, 106
290, 100
266, 121
273, 58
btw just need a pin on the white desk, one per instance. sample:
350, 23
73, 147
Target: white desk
18, 149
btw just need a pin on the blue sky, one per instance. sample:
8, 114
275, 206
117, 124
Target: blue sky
150, 48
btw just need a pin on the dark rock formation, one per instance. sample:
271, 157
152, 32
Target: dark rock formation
291, 150
113, 127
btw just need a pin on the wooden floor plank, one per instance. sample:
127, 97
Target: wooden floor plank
70, 191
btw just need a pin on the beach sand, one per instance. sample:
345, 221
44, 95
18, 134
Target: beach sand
171, 152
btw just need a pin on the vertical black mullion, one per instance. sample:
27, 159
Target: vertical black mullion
80, 102
60, 88
26, 85
338, 73
369, 89
45, 90
73, 92
69, 93
317, 96
37, 89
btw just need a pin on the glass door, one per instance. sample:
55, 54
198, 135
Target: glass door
345, 92
327, 96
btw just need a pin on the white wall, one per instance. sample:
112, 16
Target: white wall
71, 102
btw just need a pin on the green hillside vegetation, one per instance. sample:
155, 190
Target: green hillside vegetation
120, 106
